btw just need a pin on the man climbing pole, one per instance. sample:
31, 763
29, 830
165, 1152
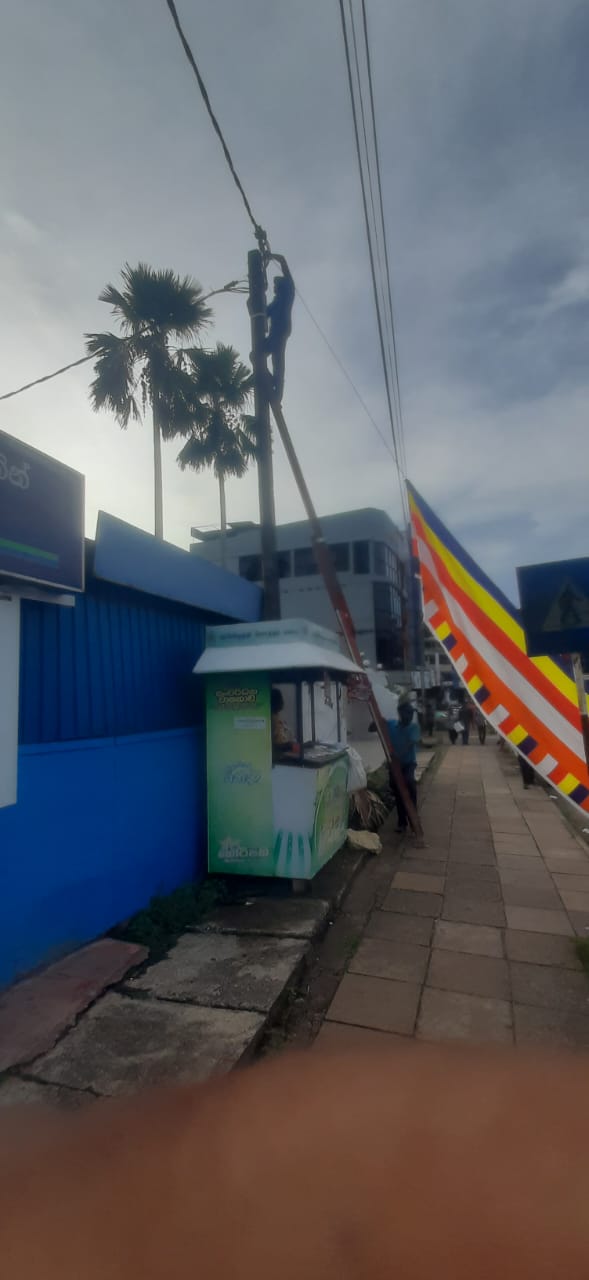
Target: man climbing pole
279, 313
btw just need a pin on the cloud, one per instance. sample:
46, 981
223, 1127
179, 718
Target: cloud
482, 122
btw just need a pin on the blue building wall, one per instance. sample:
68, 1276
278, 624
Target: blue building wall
100, 826
118, 662
111, 784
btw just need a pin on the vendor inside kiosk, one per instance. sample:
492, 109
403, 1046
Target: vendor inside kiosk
277, 762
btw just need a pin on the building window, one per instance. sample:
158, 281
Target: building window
361, 557
384, 560
304, 562
284, 566
340, 552
388, 632
250, 567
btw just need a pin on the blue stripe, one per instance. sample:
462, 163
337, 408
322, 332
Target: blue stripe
449, 643
527, 745
579, 794
482, 694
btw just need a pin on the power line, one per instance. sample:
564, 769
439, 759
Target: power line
346, 374
232, 287
379, 232
371, 254
384, 235
259, 232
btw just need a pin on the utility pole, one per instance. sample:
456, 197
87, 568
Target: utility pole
257, 310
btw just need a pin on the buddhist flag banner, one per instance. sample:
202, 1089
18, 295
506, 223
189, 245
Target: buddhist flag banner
532, 702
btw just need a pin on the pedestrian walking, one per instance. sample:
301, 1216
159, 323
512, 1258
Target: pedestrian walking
527, 773
481, 727
404, 734
454, 725
467, 718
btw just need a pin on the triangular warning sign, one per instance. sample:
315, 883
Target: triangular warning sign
569, 609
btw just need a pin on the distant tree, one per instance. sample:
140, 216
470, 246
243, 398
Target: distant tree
137, 368
223, 435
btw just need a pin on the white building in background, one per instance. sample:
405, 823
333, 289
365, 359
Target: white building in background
372, 560
436, 660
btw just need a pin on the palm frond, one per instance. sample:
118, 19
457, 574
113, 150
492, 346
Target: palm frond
114, 384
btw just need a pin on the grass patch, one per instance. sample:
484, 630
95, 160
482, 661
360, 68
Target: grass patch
160, 924
582, 950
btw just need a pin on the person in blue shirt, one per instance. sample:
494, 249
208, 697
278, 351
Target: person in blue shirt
404, 734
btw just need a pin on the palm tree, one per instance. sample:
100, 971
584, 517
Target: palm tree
223, 436
136, 368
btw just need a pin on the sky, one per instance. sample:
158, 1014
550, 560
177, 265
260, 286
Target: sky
108, 156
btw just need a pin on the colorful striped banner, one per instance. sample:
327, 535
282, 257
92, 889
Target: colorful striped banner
532, 702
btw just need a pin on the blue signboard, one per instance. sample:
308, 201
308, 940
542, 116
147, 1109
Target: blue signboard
554, 601
41, 517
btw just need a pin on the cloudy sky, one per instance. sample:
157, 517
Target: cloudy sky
108, 156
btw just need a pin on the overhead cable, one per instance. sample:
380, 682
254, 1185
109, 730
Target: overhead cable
258, 229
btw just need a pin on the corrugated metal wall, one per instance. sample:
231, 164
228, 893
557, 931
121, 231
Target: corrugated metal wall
117, 663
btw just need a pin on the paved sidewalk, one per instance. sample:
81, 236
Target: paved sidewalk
475, 939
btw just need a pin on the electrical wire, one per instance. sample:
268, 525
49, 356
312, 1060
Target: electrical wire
385, 244
259, 232
371, 254
379, 233
234, 286
346, 374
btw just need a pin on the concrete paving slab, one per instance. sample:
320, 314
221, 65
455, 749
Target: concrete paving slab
15, 1092
400, 928
465, 911
407, 902
550, 988
555, 1028
475, 975
381, 958
378, 1003
538, 920
338, 1036
450, 1015
228, 970
283, 918
473, 939
531, 895
541, 948
123, 1045
35, 1012
418, 882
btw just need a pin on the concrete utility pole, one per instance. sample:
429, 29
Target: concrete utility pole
257, 310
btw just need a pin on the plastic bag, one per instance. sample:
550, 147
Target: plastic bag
357, 779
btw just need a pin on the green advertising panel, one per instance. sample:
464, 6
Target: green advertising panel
239, 774
331, 812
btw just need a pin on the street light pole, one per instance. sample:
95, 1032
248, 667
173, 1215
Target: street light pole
257, 310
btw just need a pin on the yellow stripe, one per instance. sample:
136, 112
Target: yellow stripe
443, 630
502, 619
517, 735
475, 684
568, 784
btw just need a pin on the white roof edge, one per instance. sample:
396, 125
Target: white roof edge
297, 655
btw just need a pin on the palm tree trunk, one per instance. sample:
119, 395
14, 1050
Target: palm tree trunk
223, 507
158, 500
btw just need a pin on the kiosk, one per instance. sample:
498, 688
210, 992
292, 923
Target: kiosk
277, 764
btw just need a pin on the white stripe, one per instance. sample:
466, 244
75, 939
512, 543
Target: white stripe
430, 609
461, 664
546, 766
497, 716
